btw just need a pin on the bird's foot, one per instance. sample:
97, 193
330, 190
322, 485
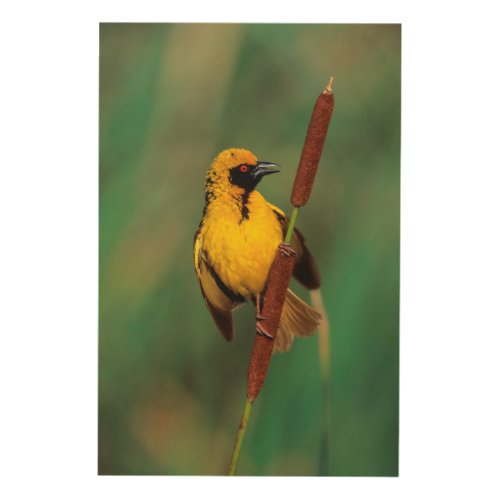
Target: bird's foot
287, 250
259, 299
261, 330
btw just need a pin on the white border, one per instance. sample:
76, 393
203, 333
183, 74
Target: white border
450, 248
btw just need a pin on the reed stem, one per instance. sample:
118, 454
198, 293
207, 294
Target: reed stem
291, 226
324, 358
239, 438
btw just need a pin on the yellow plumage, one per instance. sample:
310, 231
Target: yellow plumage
242, 253
236, 243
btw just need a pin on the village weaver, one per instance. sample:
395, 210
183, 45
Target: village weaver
236, 243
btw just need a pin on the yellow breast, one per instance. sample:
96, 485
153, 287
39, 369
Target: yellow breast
241, 249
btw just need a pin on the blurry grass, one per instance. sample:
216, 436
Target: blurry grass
170, 389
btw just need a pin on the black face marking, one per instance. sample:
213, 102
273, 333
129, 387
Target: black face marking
241, 176
244, 207
248, 176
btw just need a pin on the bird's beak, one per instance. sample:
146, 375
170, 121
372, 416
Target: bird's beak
264, 168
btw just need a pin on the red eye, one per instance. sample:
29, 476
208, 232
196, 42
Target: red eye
243, 168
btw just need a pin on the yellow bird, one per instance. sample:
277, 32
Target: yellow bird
235, 245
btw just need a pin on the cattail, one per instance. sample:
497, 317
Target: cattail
313, 146
282, 267
274, 299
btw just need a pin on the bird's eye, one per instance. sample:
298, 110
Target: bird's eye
243, 168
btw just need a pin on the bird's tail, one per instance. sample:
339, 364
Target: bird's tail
297, 319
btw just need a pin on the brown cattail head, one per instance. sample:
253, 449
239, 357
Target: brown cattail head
274, 299
313, 146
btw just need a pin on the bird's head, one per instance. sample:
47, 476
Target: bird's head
237, 171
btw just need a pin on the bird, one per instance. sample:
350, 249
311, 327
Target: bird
235, 245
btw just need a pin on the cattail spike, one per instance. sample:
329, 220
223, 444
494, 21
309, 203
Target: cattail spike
313, 146
277, 286
329, 86
283, 264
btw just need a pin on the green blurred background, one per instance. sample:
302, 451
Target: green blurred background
171, 390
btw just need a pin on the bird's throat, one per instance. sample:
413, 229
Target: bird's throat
235, 200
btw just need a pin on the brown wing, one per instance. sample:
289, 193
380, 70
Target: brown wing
218, 301
305, 270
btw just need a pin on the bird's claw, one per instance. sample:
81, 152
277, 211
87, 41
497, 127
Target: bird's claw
262, 331
287, 250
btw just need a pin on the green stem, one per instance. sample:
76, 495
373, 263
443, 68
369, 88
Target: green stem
291, 226
239, 438
324, 358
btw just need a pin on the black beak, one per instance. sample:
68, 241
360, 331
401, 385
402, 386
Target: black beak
264, 168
